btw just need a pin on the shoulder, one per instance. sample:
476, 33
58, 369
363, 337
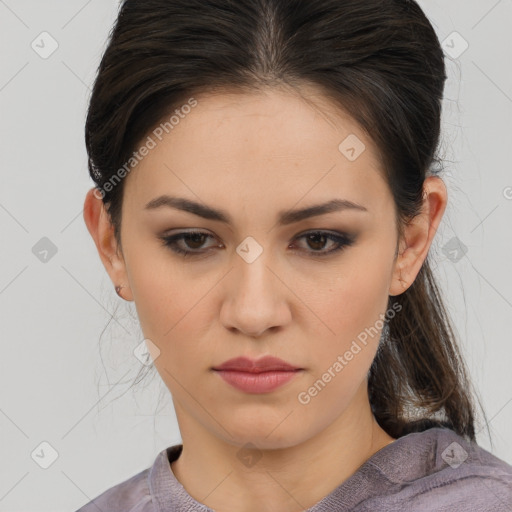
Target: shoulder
147, 491
131, 495
448, 473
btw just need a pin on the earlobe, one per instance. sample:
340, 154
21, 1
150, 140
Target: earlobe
101, 230
400, 280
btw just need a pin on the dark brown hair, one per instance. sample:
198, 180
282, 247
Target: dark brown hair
378, 60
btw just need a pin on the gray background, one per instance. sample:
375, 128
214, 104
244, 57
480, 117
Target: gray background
65, 383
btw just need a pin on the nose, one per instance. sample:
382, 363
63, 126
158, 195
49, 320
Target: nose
256, 300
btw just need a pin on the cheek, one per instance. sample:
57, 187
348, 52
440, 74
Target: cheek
352, 306
353, 309
172, 311
351, 303
175, 312
161, 294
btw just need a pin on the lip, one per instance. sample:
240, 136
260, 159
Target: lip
257, 376
262, 382
263, 364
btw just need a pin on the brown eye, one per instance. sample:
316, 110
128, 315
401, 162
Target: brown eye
317, 240
193, 241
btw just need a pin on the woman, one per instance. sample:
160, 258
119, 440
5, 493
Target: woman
267, 191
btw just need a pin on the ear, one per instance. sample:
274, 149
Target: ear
101, 229
418, 235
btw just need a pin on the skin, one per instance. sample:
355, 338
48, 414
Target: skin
254, 155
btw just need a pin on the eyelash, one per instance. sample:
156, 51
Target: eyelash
342, 241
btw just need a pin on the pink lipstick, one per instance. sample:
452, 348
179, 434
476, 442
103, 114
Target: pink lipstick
257, 376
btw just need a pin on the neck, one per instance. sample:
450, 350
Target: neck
214, 473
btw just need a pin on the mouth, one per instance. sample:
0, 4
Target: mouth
263, 364
257, 381
261, 375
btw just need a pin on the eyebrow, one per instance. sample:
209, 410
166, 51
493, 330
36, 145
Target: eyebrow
285, 217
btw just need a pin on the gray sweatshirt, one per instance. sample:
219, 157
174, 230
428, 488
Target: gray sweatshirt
434, 470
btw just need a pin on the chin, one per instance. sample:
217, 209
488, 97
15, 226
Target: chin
265, 435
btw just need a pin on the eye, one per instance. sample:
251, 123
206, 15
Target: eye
191, 243
318, 239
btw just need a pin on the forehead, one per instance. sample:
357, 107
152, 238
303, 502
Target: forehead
275, 120
279, 143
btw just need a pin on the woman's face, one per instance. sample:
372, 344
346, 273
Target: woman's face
257, 284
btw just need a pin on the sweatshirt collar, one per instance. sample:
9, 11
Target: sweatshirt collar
408, 458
